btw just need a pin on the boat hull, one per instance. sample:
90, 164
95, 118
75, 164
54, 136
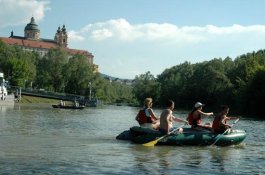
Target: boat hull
68, 107
188, 137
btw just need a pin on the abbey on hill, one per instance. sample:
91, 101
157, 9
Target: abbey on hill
32, 42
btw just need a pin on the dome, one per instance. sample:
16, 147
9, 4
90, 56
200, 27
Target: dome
32, 25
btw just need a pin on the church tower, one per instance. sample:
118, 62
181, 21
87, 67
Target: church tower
31, 30
61, 37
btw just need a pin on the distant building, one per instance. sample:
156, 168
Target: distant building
128, 82
32, 42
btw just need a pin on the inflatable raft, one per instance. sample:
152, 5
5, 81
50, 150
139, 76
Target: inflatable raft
189, 136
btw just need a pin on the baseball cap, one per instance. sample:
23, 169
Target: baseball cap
198, 104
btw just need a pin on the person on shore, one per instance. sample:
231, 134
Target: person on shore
220, 124
76, 103
61, 103
195, 117
167, 118
146, 116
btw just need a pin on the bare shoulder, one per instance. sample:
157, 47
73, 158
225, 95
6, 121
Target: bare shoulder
166, 112
223, 117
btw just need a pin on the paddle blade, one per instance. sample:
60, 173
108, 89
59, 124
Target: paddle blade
152, 143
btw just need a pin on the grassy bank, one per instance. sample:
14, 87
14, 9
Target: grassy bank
31, 99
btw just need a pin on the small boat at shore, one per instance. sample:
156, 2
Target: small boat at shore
189, 136
68, 107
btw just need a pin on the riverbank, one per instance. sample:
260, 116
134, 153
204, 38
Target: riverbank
31, 99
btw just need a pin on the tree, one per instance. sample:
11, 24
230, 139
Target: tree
253, 98
50, 70
17, 65
78, 73
174, 84
57, 72
145, 85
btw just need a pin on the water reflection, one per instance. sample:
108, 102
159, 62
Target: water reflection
207, 160
5, 108
219, 157
152, 160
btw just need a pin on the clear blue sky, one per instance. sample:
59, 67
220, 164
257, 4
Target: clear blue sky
131, 37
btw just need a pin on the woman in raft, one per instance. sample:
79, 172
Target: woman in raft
146, 117
195, 117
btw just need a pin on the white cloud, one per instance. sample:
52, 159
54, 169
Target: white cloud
101, 34
122, 49
74, 36
121, 30
234, 29
15, 12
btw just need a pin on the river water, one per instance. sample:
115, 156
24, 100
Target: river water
36, 139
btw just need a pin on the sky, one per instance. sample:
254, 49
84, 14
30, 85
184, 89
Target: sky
132, 37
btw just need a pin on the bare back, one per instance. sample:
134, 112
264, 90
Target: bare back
166, 119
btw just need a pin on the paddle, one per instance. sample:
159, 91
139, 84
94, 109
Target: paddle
153, 142
220, 136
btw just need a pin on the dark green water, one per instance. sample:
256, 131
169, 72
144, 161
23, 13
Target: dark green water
36, 139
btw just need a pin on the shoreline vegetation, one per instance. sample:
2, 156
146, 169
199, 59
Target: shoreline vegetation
39, 100
238, 83
56, 72
25, 99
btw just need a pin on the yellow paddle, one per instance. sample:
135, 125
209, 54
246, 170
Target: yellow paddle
152, 143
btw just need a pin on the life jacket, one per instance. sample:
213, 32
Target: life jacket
190, 118
216, 123
194, 121
142, 118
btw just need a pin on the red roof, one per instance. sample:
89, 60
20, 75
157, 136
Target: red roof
29, 43
75, 51
41, 44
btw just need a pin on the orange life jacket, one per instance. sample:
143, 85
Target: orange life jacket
216, 123
194, 121
142, 118
190, 118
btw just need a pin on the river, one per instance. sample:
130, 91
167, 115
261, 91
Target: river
37, 139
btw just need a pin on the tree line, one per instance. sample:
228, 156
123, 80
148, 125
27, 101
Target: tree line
238, 83
58, 72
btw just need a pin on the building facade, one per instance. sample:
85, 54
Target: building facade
32, 42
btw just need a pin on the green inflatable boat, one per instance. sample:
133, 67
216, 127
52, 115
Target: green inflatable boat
189, 136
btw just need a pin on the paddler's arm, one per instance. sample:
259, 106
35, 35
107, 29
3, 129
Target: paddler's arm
205, 113
153, 114
180, 120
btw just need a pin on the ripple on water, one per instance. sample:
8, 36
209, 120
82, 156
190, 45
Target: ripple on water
42, 140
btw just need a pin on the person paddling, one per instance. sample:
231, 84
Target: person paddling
220, 124
146, 117
166, 119
195, 117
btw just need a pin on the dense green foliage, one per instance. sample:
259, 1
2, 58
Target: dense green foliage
146, 86
58, 73
239, 84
